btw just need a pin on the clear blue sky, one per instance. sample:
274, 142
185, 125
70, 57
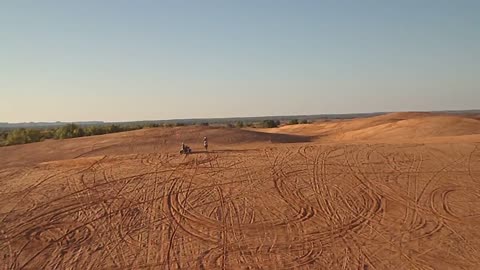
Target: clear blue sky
134, 60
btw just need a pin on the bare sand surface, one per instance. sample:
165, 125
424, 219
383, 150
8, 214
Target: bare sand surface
398, 191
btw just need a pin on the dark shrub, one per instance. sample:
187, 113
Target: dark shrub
293, 122
270, 124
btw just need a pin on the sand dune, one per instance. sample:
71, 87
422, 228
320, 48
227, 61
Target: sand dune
424, 127
418, 128
397, 191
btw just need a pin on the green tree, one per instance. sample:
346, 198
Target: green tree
239, 124
22, 135
16, 136
69, 131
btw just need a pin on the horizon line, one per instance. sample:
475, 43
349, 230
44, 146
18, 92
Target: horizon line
242, 117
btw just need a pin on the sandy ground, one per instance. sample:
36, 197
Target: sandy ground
400, 191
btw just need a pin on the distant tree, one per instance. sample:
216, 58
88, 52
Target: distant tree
270, 123
113, 129
22, 135
293, 122
48, 134
179, 124
153, 125
169, 125
206, 124
239, 124
79, 132
69, 131
95, 130
33, 135
16, 136
3, 135
230, 125
304, 121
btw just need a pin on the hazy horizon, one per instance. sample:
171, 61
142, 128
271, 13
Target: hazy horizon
123, 61
249, 116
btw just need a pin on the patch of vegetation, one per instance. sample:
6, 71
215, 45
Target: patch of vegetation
95, 130
270, 123
240, 124
3, 137
69, 131
293, 122
22, 135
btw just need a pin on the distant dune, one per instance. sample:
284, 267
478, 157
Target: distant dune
393, 126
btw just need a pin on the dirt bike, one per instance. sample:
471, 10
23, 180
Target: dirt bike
186, 150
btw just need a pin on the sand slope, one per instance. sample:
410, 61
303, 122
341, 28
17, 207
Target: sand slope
398, 191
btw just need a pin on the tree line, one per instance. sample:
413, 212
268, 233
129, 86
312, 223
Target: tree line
30, 135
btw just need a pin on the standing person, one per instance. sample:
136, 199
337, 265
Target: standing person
182, 150
205, 143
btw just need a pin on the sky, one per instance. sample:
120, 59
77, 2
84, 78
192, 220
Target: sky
131, 60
